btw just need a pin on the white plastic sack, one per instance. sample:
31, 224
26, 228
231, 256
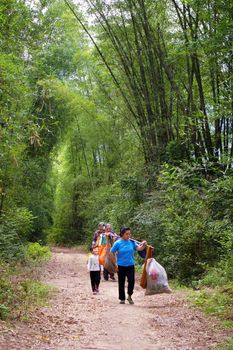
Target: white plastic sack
156, 276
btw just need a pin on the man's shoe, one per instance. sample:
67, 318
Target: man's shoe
122, 302
112, 278
130, 300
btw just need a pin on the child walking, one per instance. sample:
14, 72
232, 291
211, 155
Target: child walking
93, 267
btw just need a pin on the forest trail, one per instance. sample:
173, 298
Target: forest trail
76, 319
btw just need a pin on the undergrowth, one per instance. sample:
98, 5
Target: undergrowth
225, 345
217, 302
20, 287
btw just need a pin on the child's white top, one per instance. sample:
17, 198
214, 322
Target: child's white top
93, 263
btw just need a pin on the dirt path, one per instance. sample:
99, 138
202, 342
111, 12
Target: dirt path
76, 319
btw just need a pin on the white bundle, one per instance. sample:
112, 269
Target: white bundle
156, 275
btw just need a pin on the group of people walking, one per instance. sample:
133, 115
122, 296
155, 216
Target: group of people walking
103, 238
122, 249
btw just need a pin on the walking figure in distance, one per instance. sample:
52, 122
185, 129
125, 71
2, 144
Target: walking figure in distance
93, 267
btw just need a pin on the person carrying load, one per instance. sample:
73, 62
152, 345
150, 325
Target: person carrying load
100, 241
125, 247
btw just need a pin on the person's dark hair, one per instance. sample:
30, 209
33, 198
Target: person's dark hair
123, 230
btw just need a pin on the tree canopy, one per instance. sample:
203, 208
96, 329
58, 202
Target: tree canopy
118, 111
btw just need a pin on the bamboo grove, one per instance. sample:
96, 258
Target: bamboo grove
118, 111
172, 101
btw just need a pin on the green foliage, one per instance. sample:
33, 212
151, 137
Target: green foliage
4, 311
21, 36
221, 198
36, 253
181, 222
36, 293
216, 302
6, 292
19, 292
11, 247
55, 236
219, 275
23, 220
176, 152
193, 237
113, 203
15, 228
77, 148
225, 345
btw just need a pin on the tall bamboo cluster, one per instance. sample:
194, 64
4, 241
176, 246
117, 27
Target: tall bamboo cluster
172, 62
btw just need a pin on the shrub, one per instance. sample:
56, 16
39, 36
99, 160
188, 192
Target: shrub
4, 311
36, 253
14, 230
180, 220
22, 219
54, 235
215, 302
11, 247
6, 294
35, 292
19, 293
219, 275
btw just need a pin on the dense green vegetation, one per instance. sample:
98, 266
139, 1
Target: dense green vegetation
120, 112
20, 288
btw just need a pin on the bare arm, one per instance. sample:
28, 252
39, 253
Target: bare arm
142, 246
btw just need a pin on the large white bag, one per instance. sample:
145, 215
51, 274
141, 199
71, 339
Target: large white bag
156, 276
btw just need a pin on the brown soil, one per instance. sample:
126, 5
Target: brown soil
76, 319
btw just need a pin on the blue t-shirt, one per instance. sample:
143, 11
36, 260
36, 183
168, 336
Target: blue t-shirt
125, 249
